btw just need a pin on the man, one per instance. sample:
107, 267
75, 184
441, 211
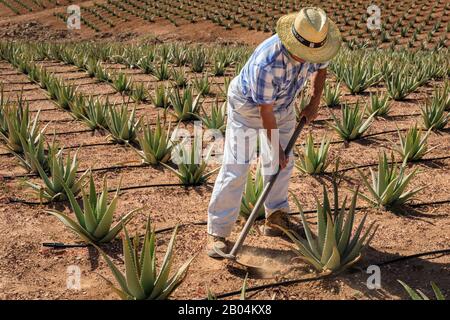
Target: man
261, 97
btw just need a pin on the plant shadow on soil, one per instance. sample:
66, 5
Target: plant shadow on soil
366, 141
112, 249
357, 276
413, 213
433, 164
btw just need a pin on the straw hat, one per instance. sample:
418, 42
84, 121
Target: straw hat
309, 35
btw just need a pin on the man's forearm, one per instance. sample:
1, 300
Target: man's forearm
269, 121
317, 84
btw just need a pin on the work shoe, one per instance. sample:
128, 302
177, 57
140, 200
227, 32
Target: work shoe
218, 242
278, 218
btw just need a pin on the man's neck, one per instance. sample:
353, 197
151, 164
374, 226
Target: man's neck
297, 58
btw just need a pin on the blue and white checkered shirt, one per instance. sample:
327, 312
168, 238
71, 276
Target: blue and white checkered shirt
272, 76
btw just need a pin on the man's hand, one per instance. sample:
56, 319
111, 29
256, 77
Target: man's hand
282, 159
317, 83
310, 112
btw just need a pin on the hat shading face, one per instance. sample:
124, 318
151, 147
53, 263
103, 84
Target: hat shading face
309, 35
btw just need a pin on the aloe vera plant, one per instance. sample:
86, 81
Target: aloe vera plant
179, 55
141, 280
63, 95
34, 153
78, 107
122, 125
146, 64
95, 217
161, 99
191, 169
197, 59
139, 93
419, 295
252, 192
442, 95
219, 68
96, 113
155, 144
224, 89
184, 105
313, 160
62, 173
301, 104
101, 73
122, 83
19, 126
161, 72
352, 125
179, 78
333, 248
217, 117
4, 102
202, 85
357, 72
379, 106
331, 95
389, 183
413, 146
400, 84
434, 116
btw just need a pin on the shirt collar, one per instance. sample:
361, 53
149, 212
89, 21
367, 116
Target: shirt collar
289, 56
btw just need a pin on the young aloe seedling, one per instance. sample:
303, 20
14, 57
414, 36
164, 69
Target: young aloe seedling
95, 217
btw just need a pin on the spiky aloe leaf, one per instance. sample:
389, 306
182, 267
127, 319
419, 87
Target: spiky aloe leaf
419, 295
191, 169
413, 146
155, 145
131, 269
253, 190
351, 125
388, 186
123, 125
94, 220
331, 250
434, 116
141, 279
185, 106
313, 160
217, 117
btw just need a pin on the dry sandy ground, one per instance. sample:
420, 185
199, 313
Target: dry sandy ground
30, 271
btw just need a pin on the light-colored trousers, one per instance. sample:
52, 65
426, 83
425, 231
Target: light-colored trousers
244, 121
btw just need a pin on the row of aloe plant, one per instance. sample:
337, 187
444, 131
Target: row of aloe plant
155, 62
94, 225
361, 69
95, 216
331, 260
123, 128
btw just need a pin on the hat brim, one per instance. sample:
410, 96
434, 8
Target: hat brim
315, 55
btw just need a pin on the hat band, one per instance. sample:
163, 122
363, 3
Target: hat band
306, 42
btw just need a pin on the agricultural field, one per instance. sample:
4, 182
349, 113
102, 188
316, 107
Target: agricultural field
85, 139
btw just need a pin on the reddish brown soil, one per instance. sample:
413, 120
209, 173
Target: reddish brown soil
29, 271
43, 25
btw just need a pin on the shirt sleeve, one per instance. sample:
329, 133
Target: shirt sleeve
262, 86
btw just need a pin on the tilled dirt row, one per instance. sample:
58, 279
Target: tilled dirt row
29, 271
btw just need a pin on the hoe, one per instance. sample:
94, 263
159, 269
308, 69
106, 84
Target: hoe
233, 255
